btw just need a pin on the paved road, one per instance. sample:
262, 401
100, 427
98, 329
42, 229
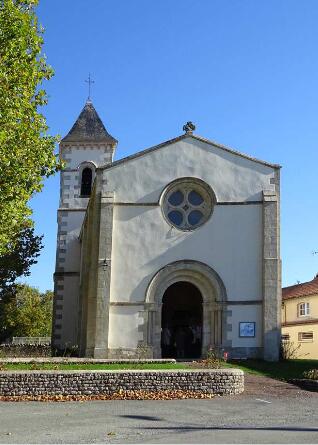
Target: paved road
269, 412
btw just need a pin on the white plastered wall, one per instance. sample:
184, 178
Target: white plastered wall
123, 326
74, 222
75, 155
230, 242
232, 177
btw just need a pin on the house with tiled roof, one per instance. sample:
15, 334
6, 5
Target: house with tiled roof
300, 317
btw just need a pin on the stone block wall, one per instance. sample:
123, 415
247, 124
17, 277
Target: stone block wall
36, 383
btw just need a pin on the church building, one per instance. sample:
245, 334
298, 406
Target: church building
168, 252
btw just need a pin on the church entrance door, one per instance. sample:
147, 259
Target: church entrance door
181, 333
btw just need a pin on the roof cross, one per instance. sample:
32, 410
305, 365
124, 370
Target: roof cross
89, 81
189, 127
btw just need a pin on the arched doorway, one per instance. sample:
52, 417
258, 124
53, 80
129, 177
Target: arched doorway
213, 293
181, 319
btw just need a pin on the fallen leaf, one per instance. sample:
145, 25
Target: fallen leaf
120, 395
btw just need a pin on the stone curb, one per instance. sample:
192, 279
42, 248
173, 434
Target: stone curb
226, 372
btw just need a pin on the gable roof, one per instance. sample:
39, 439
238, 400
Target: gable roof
89, 128
180, 138
301, 290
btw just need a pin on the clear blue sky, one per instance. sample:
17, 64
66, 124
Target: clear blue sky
244, 71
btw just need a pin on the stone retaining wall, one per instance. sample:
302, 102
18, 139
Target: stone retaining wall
36, 383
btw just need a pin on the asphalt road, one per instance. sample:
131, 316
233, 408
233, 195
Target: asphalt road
267, 414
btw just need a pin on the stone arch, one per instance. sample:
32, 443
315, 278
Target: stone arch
213, 294
84, 164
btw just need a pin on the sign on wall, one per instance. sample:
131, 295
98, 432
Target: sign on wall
247, 329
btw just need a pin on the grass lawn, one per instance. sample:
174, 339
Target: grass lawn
89, 366
284, 370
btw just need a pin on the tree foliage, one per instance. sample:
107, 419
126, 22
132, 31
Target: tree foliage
17, 262
14, 264
27, 314
26, 150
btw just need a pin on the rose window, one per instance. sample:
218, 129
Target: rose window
188, 204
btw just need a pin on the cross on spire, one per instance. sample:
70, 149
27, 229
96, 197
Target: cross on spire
89, 81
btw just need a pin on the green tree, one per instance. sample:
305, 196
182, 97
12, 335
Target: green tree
27, 314
17, 262
26, 150
14, 264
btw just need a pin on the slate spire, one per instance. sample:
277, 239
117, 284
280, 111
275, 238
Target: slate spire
89, 127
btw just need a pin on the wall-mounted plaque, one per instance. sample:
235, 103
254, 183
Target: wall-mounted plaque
247, 329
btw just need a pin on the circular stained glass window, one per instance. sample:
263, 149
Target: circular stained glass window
176, 198
195, 198
195, 217
175, 217
188, 203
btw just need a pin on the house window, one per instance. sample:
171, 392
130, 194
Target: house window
86, 182
285, 337
303, 309
305, 336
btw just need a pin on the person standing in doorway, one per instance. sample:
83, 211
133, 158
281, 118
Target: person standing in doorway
166, 341
180, 339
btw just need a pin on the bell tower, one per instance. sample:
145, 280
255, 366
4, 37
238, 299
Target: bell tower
86, 147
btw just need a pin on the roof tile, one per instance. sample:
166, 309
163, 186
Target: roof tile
301, 290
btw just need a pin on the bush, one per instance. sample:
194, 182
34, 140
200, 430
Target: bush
67, 351
312, 374
288, 350
212, 360
143, 351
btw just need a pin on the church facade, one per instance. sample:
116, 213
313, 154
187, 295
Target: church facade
168, 252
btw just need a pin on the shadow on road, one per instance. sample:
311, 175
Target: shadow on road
141, 417
234, 428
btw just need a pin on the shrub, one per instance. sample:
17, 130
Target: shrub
67, 351
212, 360
288, 350
312, 374
143, 351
